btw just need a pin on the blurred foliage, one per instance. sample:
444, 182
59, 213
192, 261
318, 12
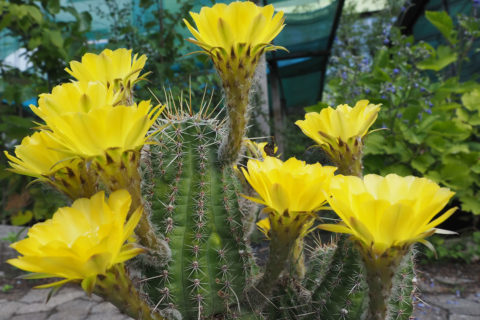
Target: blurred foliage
465, 248
157, 32
49, 43
431, 118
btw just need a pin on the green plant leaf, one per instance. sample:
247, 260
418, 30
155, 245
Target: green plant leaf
53, 6
454, 129
21, 217
471, 100
55, 37
423, 162
470, 203
456, 174
374, 143
35, 13
442, 21
439, 60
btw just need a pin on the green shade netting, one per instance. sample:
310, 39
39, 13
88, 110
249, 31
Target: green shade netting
307, 35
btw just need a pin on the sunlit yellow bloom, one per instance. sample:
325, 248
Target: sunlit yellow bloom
340, 133
236, 34
38, 156
342, 123
292, 185
81, 241
387, 212
113, 68
73, 97
291, 191
226, 26
91, 134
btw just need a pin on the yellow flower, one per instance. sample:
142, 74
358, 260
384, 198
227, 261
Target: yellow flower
112, 68
343, 123
292, 185
387, 212
81, 241
74, 97
235, 36
91, 134
38, 156
239, 32
340, 133
291, 191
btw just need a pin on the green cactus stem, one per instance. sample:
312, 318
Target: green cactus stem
117, 288
124, 174
333, 288
380, 274
403, 292
195, 203
236, 96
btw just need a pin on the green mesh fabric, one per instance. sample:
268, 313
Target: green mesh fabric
307, 36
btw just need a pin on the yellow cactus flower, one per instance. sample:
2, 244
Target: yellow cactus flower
74, 97
342, 123
38, 156
239, 28
235, 36
291, 191
91, 134
238, 32
80, 242
340, 132
387, 212
384, 216
115, 69
292, 185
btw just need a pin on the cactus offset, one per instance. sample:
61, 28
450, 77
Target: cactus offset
334, 287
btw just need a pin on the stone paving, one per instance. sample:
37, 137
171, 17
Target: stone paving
68, 304
441, 298
448, 298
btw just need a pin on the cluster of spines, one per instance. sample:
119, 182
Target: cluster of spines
403, 293
342, 293
233, 203
333, 289
195, 206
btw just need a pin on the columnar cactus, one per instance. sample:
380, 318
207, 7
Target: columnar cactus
194, 202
